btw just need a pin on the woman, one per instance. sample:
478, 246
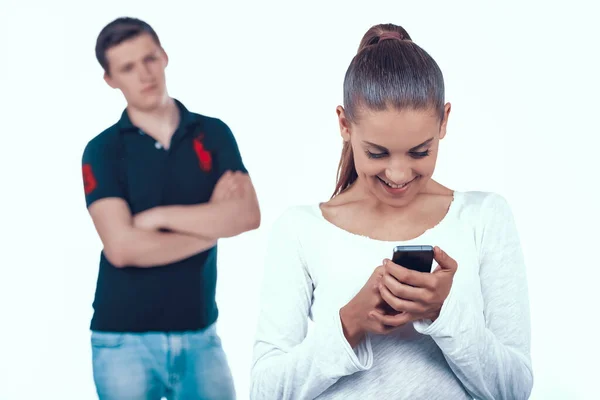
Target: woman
382, 331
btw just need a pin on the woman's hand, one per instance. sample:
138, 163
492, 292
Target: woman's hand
415, 295
356, 316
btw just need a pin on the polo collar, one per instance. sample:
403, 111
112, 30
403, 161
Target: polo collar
187, 119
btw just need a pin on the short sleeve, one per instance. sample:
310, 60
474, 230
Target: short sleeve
101, 167
228, 155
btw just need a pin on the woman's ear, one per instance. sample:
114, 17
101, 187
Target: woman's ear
447, 108
344, 124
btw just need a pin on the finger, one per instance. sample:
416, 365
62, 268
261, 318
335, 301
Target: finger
400, 305
232, 180
238, 175
403, 291
390, 320
443, 260
231, 183
376, 277
241, 176
384, 307
223, 181
236, 181
243, 180
407, 276
376, 326
226, 175
230, 176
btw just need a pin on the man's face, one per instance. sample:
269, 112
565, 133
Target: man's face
137, 68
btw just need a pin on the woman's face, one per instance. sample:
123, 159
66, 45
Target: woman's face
395, 152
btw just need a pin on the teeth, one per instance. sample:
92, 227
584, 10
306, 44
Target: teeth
395, 186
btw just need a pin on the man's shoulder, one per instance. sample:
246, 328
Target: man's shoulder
209, 123
216, 131
105, 140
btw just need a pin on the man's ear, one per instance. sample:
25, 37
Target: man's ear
109, 80
166, 57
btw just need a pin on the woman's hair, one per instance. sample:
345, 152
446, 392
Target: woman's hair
389, 70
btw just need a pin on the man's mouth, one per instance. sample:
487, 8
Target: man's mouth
149, 88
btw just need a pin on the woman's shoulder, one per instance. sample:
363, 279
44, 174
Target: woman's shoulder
298, 216
481, 204
481, 198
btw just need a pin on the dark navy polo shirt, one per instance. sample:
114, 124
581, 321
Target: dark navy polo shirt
124, 162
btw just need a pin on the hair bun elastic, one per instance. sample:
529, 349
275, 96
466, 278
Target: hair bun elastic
389, 35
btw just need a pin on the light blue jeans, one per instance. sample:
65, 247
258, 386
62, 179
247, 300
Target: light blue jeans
153, 366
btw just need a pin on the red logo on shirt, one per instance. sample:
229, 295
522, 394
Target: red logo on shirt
204, 156
89, 180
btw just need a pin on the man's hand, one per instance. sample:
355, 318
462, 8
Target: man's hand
231, 185
125, 245
415, 295
232, 209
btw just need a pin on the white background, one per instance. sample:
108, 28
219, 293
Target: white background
523, 80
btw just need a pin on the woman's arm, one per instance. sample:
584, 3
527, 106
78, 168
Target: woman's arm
288, 363
490, 352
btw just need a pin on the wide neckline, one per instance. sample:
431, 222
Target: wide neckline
456, 197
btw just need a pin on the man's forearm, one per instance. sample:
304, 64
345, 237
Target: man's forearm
141, 248
213, 220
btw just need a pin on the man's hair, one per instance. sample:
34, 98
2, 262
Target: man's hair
118, 31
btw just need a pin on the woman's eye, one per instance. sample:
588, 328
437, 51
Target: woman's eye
375, 155
419, 154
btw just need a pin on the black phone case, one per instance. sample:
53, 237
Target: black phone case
416, 258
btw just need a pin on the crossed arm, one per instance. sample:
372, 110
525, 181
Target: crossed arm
137, 241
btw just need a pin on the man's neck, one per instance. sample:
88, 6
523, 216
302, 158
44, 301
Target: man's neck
160, 122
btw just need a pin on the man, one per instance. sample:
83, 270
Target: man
162, 185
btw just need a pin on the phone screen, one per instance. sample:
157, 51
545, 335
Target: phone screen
416, 258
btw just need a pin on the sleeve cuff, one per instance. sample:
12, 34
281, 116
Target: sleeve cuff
90, 199
441, 326
360, 358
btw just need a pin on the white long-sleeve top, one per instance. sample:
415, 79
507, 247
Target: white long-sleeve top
479, 347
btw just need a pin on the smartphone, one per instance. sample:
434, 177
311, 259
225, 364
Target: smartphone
416, 258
